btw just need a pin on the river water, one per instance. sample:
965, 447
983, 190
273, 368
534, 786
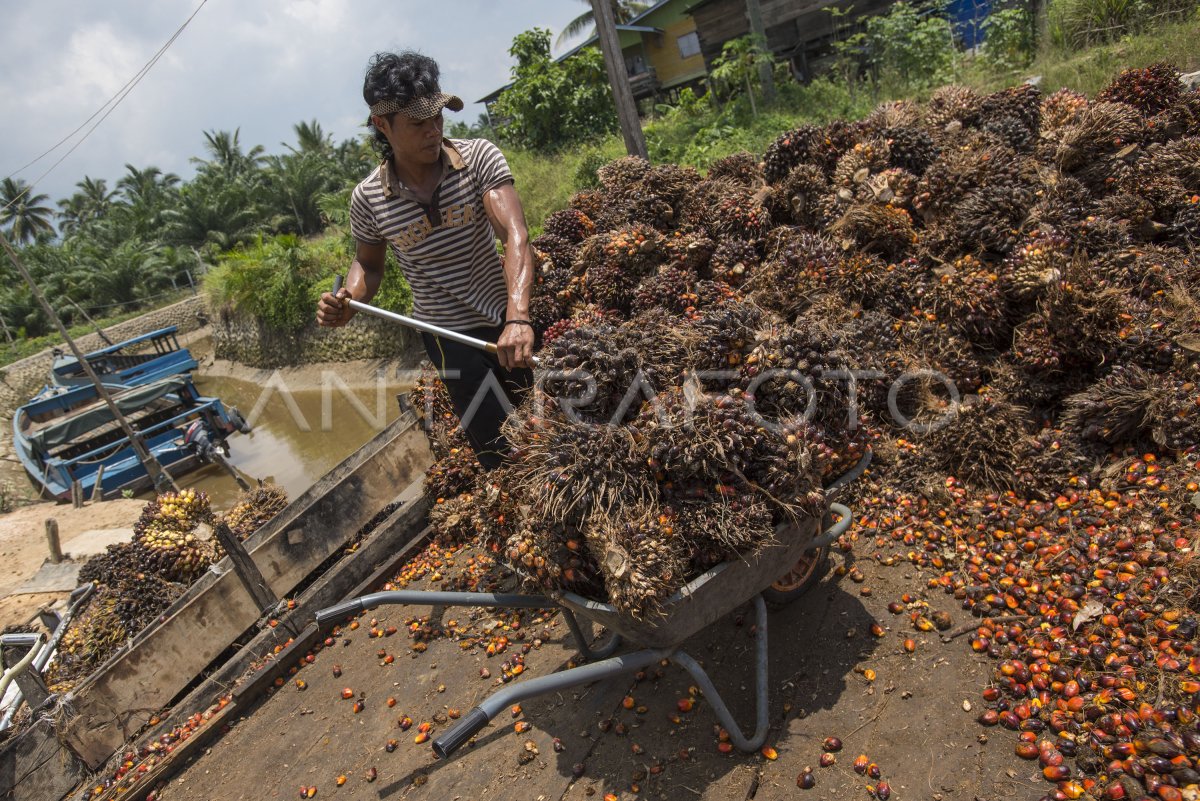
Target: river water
298, 435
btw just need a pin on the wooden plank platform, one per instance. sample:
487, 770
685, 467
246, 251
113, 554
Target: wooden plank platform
122, 695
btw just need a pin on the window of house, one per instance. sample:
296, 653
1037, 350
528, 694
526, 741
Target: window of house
689, 45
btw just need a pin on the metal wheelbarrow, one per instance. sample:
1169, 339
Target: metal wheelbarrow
703, 601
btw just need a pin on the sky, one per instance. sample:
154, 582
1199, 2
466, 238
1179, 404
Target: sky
252, 65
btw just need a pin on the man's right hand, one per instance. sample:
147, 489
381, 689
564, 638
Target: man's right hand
333, 310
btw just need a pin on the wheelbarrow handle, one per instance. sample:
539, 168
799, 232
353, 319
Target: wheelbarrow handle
419, 325
470, 725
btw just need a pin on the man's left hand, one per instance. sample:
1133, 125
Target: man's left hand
515, 347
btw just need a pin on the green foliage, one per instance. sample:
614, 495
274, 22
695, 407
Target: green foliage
279, 279
1009, 38
585, 174
910, 47
737, 67
23, 216
551, 105
1081, 23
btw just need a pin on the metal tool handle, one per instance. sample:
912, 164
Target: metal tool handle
419, 325
471, 724
326, 618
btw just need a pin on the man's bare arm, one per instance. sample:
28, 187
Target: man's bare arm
362, 282
504, 211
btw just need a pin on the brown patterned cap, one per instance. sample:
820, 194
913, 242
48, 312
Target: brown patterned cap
419, 108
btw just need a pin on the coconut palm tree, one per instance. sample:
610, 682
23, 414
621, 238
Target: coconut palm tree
311, 138
623, 11
228, 160
93, 201
22, 212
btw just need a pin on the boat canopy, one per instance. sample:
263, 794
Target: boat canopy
76, 426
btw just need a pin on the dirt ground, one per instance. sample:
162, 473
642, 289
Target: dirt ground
915, 719
23, 546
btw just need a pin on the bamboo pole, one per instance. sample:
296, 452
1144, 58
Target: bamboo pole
161, 478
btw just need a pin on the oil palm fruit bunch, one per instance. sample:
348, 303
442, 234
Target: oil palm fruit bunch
641, 557
724, 208
589, 203
1034, 348
558, 252
876, 228
952, 104
455, 473
972, 161
909, 148
1018, 110
1036, 264
893, 186
119, 561
1091, 144
93, 636
670, 288
858, 163
1062, 108
783, 373
571, 225
454, 519
619, 178
742, 168
166, 531
1150, 90
582, 316
569, 470
895, 114
688, 250
1123, 407
797, 266
724, 335
1186, 225
554, 557
968, 297
591, 372
733, 261
800, 197
1086, 320
254, 508
788, 151
977, 442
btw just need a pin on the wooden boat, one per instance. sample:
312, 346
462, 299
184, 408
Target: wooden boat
68, 435
139, 360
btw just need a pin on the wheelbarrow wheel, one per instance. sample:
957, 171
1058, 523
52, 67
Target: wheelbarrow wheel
803, 576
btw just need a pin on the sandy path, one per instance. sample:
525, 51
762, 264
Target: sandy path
23, 545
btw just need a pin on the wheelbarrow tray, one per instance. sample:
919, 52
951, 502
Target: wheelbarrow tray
705, 599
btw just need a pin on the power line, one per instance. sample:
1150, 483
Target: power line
111, 104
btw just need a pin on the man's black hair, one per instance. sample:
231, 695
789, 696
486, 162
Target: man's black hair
402, 77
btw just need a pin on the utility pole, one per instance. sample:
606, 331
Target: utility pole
766, 70
610, 45
161, 478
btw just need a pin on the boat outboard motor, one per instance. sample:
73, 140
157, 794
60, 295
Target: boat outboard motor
197, 438
239, 423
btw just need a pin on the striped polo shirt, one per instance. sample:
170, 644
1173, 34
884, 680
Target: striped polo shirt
447, 249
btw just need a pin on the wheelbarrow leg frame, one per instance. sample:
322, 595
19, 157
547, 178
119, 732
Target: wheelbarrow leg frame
606, 667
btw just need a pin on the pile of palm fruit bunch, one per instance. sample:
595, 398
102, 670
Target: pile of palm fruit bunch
1011, 280
136, 581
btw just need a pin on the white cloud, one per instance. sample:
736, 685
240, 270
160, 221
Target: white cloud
248, 64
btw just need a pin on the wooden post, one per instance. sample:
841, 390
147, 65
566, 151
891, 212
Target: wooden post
766, 70
91, 322
98, 489
56, 554
610, 45
243, 564
77, 494
161, 478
